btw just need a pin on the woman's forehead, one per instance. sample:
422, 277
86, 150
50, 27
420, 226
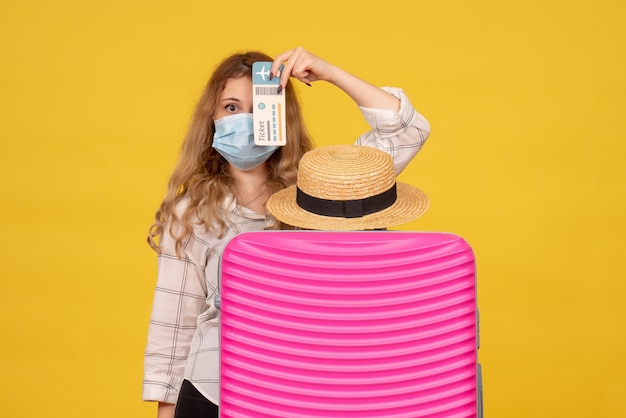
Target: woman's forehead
237, 86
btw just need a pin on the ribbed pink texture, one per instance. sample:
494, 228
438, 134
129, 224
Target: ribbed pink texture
348, 324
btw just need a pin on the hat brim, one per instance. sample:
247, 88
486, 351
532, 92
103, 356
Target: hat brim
411, 203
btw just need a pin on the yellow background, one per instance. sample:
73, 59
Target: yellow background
527, 103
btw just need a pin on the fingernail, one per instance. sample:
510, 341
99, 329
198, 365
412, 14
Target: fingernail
280, 88
271, 75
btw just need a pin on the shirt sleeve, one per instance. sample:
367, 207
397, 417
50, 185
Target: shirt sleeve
401, 134
180, 297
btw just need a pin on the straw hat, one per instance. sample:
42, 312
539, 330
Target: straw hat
347, 188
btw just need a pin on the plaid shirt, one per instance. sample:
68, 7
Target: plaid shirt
183, 339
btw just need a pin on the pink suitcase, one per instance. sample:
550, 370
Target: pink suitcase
348, 324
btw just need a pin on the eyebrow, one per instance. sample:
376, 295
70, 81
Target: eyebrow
230, 98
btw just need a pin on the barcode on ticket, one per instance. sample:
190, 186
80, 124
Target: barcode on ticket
266, 91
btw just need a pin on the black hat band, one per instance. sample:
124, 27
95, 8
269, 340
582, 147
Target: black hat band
346, 208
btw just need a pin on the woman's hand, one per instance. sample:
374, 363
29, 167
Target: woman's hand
303, 66
307, 68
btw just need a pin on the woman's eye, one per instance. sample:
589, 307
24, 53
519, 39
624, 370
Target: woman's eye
231, 107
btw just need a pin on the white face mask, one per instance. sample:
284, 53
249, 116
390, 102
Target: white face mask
234, 140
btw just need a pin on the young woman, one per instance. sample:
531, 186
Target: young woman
218, 189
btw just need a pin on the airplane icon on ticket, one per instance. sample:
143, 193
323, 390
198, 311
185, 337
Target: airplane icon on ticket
263, 73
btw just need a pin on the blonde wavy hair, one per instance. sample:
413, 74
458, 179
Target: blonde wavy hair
201, 174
